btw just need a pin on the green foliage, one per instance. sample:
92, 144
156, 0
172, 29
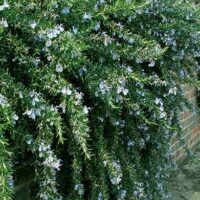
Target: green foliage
93, 91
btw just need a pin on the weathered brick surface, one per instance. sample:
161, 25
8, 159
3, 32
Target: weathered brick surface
191, 128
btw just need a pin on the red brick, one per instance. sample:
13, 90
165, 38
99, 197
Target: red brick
191, 127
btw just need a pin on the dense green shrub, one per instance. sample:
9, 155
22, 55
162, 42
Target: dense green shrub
93, 90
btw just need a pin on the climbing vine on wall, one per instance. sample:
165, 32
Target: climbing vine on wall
93, 90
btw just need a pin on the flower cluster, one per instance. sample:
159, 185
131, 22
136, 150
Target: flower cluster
117, 177
3, 101
79, 188
50, 165
4, 6
50, 159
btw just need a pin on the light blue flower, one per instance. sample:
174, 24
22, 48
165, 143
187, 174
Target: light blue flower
66, 10
87, 16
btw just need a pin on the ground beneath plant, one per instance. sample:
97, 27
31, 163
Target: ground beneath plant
185, 185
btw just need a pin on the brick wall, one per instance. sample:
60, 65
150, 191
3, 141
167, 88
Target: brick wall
191, 128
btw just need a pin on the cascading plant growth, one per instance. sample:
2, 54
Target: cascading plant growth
93, 89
